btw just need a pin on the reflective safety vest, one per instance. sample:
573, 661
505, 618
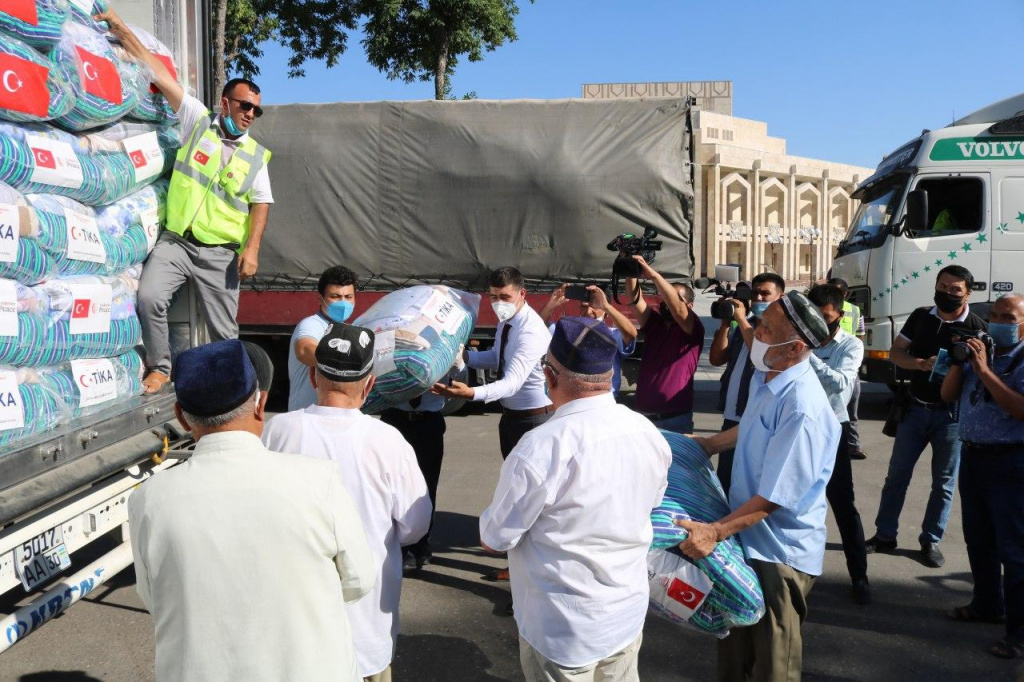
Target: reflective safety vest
210, 201
850, 321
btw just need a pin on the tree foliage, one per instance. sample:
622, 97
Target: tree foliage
423, 39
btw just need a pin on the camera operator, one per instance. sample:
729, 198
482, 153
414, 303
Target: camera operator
991, 394
927, 419
673, 341
731, 347
598, 307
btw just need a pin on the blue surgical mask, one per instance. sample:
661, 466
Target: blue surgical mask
339, 311
758, 307
231, 126
1005, 334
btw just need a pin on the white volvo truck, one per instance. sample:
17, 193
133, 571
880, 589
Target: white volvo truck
953, 196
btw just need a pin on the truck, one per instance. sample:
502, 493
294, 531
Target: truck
429, 192
64, 489
953, 196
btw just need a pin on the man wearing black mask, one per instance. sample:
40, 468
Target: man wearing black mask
928, 419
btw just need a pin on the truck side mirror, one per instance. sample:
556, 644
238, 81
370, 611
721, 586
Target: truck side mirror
917, 211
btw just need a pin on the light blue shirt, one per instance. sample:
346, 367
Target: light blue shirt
300, 391
785, 453
982, 421
837, 365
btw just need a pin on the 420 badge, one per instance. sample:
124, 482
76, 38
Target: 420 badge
42, 557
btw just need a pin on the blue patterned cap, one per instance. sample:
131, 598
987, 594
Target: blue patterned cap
583, 345
213, 379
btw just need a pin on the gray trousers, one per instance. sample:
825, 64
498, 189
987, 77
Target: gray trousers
852, 436
212, 270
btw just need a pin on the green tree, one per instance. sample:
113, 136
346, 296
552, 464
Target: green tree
310, 29
423, 39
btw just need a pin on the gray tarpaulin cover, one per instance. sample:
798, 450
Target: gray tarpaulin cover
405, 191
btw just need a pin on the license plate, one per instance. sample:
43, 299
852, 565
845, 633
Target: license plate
39, 559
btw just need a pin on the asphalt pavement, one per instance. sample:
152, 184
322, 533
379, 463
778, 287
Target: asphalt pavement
453, 622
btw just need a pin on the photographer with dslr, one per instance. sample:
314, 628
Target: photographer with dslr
731, 347
990, 388
673, 341
927, 333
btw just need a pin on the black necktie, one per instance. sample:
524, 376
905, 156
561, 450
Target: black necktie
501, 353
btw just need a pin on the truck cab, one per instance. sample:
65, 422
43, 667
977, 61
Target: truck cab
953, 196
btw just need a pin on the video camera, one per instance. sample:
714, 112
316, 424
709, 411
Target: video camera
961, 353
645, 245
722, 285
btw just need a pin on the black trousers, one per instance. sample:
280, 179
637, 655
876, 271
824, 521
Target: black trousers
725, 461
852, 436
512, 428
426, 436
839, 493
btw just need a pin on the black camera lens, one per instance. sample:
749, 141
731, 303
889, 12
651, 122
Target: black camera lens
960, 353
722, 309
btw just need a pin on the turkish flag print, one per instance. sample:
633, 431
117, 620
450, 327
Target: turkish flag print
21, 9
169, 63
80, 309
685, 593
201, 158
100, 76
44, 158
138, 158
23, 86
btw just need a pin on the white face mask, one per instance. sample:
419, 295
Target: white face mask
503, 309
759, 349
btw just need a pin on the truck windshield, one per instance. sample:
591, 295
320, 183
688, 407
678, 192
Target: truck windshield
871, 223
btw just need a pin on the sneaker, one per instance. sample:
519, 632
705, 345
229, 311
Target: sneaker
858, 454
877, 545
861, 592
931, 556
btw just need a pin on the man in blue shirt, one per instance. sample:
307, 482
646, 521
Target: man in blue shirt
991, 395
785, 449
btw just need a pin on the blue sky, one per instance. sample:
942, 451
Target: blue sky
841, 81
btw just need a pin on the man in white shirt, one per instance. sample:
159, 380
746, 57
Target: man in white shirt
521, 339
246, 558
380, 472
215, 215
337, 290
572, 509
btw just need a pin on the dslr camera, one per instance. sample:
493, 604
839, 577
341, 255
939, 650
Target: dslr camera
727, 286
961, 353
645, 245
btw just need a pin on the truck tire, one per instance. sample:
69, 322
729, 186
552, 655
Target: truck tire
262, 364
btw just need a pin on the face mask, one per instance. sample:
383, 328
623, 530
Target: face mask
339, 311
947, 303
758, 308
833, 326
1005, 334
760, 349
230, 126
503, 309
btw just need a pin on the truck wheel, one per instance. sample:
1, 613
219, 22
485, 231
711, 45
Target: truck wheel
262, 364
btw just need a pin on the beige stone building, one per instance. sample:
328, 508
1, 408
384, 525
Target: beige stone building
756, 205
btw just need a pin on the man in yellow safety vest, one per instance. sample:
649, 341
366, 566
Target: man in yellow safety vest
217, 207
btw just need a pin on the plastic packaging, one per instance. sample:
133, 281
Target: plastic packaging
22, 259
32, 88
83, 11
91, 385
105, 87
27, 406
36, 23
418, 334
152, 106
713, 594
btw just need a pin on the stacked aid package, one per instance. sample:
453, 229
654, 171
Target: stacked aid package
85, 148
418, 334
713, 594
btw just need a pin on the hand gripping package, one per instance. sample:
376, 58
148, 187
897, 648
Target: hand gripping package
713, 594
418, 333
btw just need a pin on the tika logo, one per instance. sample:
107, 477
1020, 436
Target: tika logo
80, 235
80, 309
96, 378
684, 593
44, 158
201, 158
138, 158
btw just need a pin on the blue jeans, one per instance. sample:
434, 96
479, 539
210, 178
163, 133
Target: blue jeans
681, 423
992, 494
919, 428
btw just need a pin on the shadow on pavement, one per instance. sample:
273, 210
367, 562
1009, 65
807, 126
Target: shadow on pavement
435, 657
58, 676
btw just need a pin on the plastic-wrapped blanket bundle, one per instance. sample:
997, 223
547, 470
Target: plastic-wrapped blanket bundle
37, 22
105, 87
418, 334
152, 106
28, 406
32, 88
67, 319
83, 11
22, 259
94, 169
713, 594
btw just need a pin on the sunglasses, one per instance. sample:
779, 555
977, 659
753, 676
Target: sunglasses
248, 106
544, 363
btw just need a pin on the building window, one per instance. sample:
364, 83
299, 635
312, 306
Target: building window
727, 135
712, 133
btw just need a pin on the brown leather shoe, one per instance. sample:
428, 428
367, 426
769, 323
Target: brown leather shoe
498, 575
154, 382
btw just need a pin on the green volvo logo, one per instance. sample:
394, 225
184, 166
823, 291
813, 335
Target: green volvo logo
978, 149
